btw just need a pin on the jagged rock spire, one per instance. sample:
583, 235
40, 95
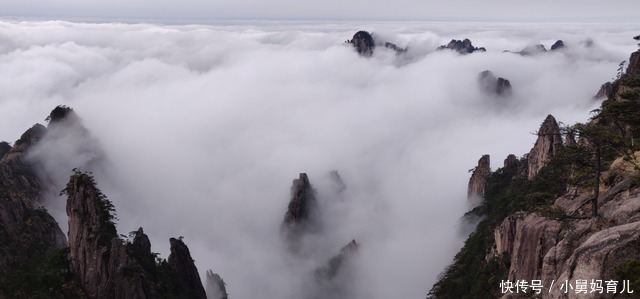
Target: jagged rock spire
216, 288
363, 42
180, 260
492, 85
301, 216
479, 177
548, 142
462, 46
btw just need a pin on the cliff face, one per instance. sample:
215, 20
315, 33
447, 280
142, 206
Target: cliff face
548, 142
25, 229
478, 180
573, 216
105, 266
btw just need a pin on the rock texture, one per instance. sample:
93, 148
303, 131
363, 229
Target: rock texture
462, 46
548, 142
106, 266
216, 288
539, 247
479, 178
302, 213
26, 230
494, 86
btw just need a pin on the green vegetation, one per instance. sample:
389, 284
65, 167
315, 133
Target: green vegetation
44, 276
629, 271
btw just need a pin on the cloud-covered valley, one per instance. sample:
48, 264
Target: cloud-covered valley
204, 127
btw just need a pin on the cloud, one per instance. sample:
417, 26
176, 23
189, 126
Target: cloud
204, 128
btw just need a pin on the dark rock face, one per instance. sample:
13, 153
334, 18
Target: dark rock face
216, 288
605, 91
26, 231
559, 44
363, 42
301, 216
106, 266
510, 162
4, 148
462, 46
479, 177
633, 69
189, 282
548, 142
491, 85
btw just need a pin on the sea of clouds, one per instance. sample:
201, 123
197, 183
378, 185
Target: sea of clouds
205, 126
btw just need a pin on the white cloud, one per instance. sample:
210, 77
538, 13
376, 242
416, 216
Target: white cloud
206, 126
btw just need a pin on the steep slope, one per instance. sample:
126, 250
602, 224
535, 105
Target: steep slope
570, 222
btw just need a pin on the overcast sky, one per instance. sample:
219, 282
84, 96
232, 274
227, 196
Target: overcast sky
487, 10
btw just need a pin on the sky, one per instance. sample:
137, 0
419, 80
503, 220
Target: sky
423, 10
204, 127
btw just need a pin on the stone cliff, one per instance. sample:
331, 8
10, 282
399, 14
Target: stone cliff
551, 222
478, 180
548, 142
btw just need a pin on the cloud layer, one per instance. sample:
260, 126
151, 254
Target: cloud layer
205, 127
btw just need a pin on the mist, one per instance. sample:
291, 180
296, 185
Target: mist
204, 127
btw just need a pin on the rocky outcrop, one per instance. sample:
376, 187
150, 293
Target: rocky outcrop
105, 266
337, 263
216, 288
27, 231
543, 248
189, 284
334, 280
302, 212
558, 45
461, 46
479, 178
605, 91
494, 86
510, 162
364, 43
633, 68
548, 142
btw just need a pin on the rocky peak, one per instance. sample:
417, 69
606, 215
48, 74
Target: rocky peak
633, 68
559, 44
605, 91
548, 142
29, 138
338, 263
180, 260
494, 86
479, 178
216, 288
363, 42
105, 266
462, 46
510, 162
60, 113
301, 216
